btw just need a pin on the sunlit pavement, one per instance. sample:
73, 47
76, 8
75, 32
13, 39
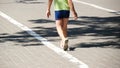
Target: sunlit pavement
94, 37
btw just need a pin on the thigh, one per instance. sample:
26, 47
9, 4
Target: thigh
65, 22
59, 22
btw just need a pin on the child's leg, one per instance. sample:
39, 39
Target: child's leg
65, 41
64, 27
59, 26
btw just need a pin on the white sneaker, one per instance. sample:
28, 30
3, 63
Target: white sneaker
65, 44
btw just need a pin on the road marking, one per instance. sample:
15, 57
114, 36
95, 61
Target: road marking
45, 42
96, 6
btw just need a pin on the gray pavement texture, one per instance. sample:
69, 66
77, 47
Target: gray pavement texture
94, 37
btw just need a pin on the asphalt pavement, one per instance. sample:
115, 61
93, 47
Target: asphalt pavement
94, 37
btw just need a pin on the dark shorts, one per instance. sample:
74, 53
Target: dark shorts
62, 14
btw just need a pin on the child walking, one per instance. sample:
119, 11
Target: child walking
62, 13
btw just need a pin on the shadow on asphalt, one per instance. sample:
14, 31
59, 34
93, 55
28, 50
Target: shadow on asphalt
117, 13
42, 21
29, 1
107, 27
22, 38
24, 2
98, 27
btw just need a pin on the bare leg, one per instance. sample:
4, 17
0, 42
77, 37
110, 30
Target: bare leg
61, 26
65, 41
64, 27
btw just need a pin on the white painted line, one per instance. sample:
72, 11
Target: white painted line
45, 42
96, 6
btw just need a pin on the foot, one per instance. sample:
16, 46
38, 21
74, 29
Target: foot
65, 44
61, 44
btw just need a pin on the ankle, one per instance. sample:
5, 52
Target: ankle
65, 39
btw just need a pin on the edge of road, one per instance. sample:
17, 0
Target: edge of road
98, 7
